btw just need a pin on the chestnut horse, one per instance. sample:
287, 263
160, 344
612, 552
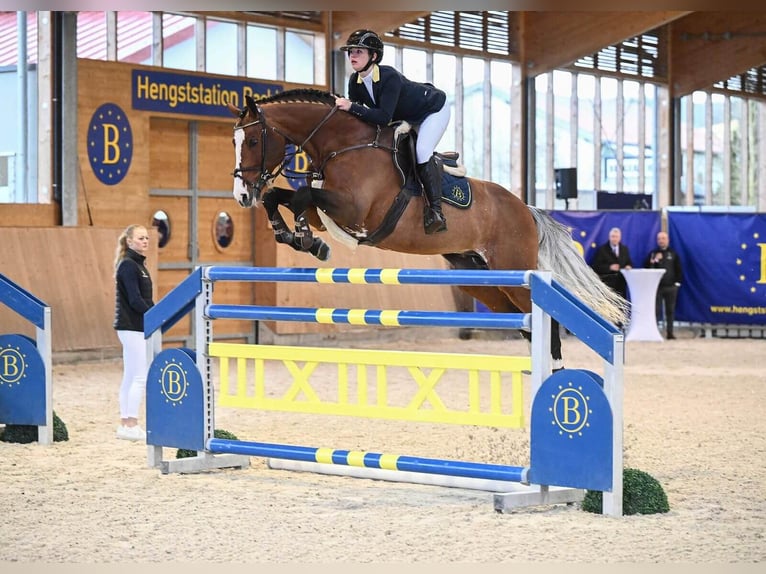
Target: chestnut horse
365, 195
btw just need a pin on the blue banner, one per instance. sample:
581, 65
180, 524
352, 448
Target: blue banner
723, 256
179, 93
591, 228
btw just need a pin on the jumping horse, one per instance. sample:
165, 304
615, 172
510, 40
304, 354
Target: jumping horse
360, 188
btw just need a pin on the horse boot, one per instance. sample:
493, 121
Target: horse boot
430, 175
303, 239
281, 233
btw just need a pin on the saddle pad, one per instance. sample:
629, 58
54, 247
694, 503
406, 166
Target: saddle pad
456, 191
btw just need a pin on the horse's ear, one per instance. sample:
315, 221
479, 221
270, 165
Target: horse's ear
233, 109
251, 105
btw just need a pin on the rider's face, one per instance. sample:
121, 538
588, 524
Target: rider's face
358, 57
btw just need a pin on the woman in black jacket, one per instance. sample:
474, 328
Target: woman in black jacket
381, 94
133, 287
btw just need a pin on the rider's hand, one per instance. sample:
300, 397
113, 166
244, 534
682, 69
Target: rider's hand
343, 103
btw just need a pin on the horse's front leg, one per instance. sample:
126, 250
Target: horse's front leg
271, 201
280, 196
299, 204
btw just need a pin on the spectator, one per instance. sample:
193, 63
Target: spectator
133, 288
610, 258
663, 257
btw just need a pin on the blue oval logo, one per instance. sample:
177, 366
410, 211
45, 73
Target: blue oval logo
110, 144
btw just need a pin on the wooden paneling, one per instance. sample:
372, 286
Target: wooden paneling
71, 269
176, 250
169, 153
30, 215
215, 156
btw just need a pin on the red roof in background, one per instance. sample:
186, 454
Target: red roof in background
9, 38
134, 31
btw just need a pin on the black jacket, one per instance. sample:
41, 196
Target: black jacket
670, 262
133, 288
396, 98
605, 257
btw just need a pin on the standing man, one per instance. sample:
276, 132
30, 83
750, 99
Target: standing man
610, 258
663, 257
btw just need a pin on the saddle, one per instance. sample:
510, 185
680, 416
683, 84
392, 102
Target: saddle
405, 161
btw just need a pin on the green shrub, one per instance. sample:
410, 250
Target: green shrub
641, 494
217, 433
24, 434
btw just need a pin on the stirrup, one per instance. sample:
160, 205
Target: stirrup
433, 221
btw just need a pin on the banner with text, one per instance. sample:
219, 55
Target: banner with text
723, 256
179, 93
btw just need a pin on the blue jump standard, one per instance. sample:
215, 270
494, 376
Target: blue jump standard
370, 460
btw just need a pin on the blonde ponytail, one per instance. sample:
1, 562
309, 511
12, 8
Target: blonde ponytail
122, 244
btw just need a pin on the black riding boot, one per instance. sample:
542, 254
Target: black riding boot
430, 174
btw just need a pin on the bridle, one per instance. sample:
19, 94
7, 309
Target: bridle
264, 177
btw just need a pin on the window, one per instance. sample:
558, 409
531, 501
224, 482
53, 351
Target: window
221, 47
299, 57
261, 52
179, 49
134, 37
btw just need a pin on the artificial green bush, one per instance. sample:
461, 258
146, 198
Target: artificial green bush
217, 433
28, 433
641, 494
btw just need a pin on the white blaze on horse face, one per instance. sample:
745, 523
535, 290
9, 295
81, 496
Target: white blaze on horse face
240, 189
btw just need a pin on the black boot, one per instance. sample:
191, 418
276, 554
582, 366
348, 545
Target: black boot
430, 174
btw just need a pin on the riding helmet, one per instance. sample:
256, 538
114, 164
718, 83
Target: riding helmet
365, 39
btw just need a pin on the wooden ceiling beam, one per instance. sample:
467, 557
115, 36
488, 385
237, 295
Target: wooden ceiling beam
343, 23
708, 47
556, 39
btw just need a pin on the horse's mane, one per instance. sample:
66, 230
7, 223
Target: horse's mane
309, 95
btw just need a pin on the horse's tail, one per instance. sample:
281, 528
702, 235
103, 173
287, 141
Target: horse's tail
558, 254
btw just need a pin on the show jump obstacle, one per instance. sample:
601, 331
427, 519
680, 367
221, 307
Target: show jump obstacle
576, 415
25, 365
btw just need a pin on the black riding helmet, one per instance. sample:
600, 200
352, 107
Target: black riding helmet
365, 39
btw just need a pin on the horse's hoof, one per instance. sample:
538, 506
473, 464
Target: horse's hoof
320, 249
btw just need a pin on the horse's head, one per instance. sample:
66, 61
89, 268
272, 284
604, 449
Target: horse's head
258, 150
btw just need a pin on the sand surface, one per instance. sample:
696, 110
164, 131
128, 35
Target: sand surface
695, 419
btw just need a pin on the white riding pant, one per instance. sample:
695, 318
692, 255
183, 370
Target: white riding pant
134, 369
430, 132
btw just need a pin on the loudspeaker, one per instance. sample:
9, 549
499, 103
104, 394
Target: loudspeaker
566, 183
